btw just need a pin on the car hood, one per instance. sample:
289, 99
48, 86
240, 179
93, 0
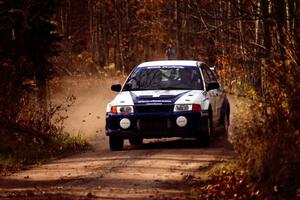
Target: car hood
158, 97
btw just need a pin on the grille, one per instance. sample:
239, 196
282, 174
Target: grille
154, 109
153, 124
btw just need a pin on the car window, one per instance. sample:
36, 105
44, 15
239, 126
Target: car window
211, 75
208, 74
164, 77
215, 74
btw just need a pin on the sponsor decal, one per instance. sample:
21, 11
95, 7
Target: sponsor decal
165, 67
156, 99
168, 67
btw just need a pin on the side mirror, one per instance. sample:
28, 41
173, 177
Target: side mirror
116, 87
213, 86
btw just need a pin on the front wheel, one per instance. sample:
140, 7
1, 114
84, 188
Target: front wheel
225, 124
207, 130
116, 143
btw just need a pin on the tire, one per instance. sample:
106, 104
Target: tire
225, 124
116, 143
136, 141
206, 133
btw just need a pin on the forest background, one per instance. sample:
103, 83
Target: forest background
255, 45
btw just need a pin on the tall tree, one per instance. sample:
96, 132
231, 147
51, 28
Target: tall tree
29, 40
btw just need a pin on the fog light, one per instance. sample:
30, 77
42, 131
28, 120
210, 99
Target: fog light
125, 123
181, 121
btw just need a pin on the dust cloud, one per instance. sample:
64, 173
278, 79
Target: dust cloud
87, 115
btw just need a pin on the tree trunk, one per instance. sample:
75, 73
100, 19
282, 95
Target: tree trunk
91, 27
41, 81
297, 32
280, 21
290, 11
266, 41
42, 94
241, 33
178, 28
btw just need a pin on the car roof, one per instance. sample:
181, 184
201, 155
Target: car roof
171, 63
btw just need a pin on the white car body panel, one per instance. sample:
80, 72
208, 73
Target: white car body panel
195, 97
122, 99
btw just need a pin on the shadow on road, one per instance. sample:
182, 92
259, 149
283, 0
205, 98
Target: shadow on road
180, 143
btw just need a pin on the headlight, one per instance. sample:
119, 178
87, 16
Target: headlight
187, 107
183, 107
125, 109
121, 109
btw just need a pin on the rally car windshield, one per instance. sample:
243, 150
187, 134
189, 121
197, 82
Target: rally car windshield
164, 78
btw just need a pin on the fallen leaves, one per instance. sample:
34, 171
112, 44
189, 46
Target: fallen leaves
226, 184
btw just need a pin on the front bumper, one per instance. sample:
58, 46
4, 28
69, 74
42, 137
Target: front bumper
156, 125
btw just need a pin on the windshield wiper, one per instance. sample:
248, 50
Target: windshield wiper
173, 88
134, 89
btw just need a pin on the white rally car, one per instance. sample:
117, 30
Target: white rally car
167, 99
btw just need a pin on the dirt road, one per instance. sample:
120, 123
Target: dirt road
158, 169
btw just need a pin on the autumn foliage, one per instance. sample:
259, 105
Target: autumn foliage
254, 44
